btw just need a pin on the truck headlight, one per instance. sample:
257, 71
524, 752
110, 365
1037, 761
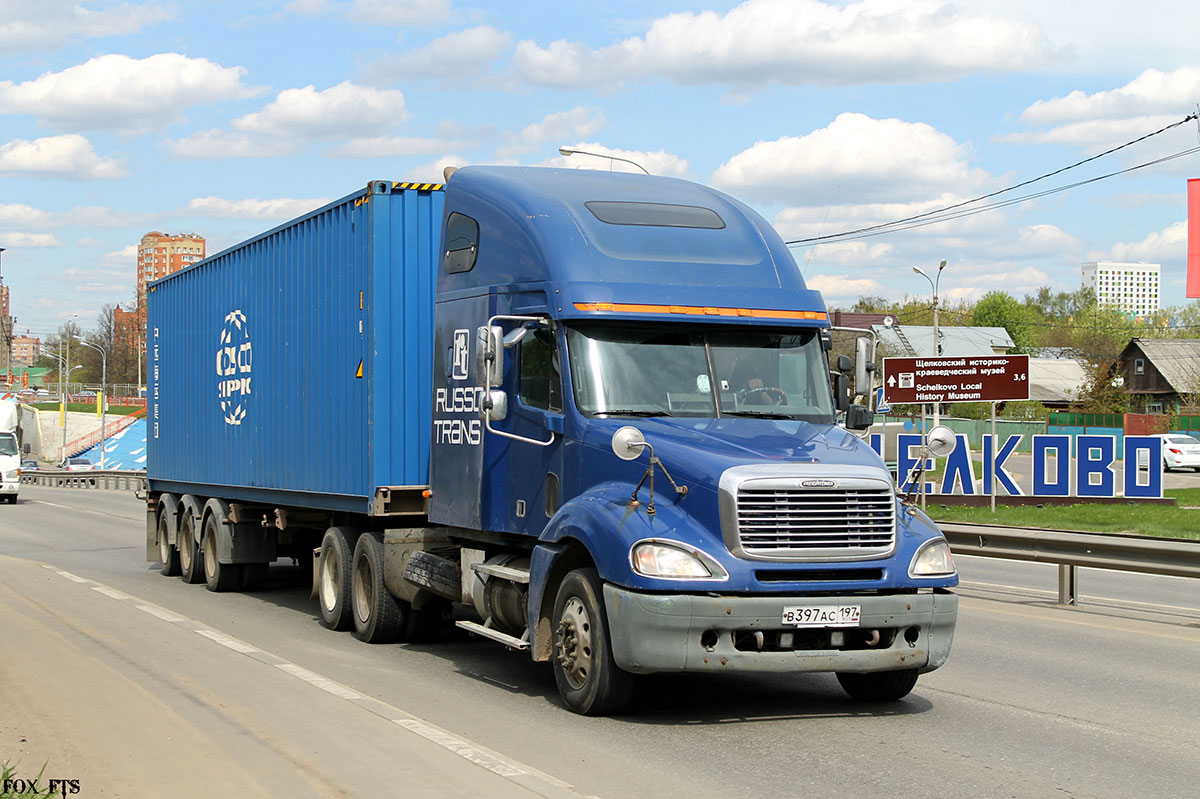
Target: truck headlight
12, 474
673, 561
933, 559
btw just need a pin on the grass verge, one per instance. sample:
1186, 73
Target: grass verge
1159, 521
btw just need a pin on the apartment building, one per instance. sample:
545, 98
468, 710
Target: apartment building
1132, 288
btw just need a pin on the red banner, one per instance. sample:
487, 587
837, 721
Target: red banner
1193, 248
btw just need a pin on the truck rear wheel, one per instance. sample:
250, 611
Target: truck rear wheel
191, 570
254, 576
878, 686
217, 576
377, 615
168, 555
588, 679
334, 578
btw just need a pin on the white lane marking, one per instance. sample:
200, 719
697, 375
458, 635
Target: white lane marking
1091, 598
316, 680
74, 578
460, 747
226, 641
110, 592
165, 615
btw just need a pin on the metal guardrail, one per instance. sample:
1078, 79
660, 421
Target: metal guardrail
110, 479
1070, 550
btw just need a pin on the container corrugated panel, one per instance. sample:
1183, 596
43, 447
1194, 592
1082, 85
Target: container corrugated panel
296, 367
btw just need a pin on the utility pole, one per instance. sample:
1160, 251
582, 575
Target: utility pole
937, 341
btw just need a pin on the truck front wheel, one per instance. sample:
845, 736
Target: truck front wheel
377, 614
588, 679
878, 686
334, 578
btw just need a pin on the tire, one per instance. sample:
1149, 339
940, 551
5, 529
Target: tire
1166, 468
441, 576
219, 577
378, 617
254, 576
334, 579
168, 555
588, 679
191, 567
878, 686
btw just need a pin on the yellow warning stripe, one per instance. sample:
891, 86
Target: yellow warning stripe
699, 310
419, 186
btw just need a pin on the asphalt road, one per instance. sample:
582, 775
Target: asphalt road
139, 685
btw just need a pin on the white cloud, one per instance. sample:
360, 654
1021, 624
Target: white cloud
844, 290
399, 12
1151, 93
555, 128
18, 215
1170, 244
280, 208
69, 156
848, 253
217, 144
310, 8
13, 240
658, 162
855, 158
39, 25
434, 171
389, 147
126, 256
344, 109
121, 93
799, 42
463, 57
1038, 241
1093, 133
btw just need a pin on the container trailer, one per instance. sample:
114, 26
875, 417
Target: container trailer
593, 410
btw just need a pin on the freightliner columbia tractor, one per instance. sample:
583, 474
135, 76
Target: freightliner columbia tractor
589, 415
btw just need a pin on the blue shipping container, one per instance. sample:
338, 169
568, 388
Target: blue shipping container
296, 368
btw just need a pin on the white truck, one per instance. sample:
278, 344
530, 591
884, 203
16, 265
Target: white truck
10, 451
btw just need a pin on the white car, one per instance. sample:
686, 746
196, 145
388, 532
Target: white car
1180, 451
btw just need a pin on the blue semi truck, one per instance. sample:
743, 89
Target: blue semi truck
595, 410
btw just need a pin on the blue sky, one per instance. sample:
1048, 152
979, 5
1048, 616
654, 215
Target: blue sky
227, 118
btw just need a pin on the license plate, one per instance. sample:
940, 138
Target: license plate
822, 616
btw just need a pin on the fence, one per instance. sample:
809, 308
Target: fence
112, 480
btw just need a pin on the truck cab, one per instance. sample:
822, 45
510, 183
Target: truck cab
10, 467
632, 393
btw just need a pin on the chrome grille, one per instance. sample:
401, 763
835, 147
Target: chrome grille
850, 516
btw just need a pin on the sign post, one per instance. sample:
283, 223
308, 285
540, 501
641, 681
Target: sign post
972, 378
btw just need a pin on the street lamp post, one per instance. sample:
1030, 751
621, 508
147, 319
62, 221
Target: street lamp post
937, 341
569, 151
63, 453
103, 395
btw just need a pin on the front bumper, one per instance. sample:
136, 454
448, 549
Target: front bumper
10, 488
654, 632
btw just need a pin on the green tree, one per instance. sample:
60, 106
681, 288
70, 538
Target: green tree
998, 309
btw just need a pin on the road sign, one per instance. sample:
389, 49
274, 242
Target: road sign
984, 378
881, 405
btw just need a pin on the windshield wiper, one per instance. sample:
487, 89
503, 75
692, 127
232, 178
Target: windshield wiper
759, 414
633, 412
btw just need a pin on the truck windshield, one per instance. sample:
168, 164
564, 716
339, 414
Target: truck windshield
620, 370
8, 445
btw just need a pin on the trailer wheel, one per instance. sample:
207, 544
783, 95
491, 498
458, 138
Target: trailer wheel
878, 686
168, 555
588, 679
334, 579
217, 576
378, 617
191, 570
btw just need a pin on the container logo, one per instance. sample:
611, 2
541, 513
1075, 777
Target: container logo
234, 361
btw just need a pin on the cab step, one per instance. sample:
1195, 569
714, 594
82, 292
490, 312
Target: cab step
510, 641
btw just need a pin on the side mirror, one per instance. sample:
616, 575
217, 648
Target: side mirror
495, 405
841, 390
941, 441
844, 364
28, 449
859, 417
628, 443
489, 356
864, 364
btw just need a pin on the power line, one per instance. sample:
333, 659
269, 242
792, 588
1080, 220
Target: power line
942, 214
